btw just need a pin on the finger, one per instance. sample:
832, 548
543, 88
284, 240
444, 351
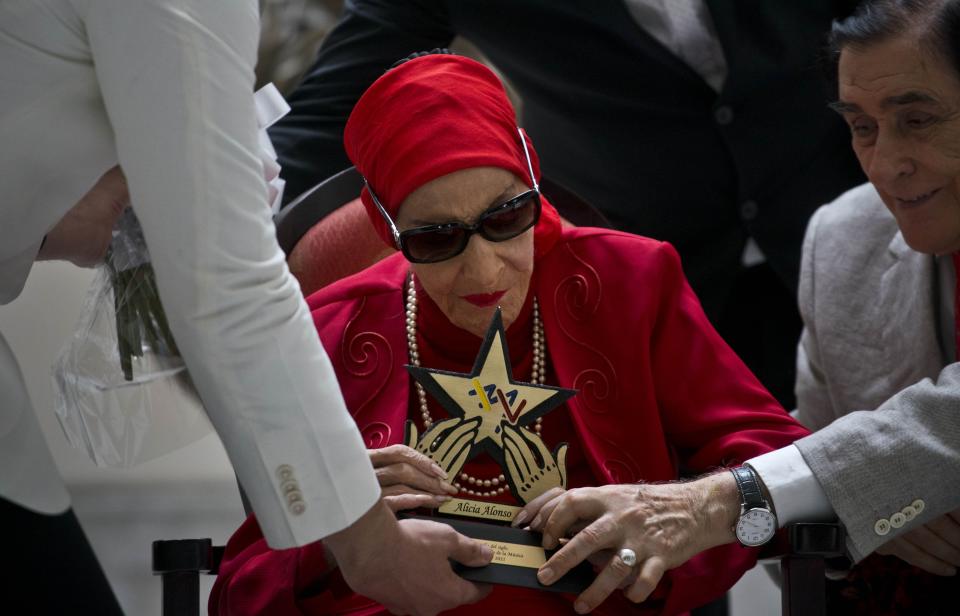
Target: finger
399, 489
574, 506
409, 500
532, 508
600, 559
909, 553
470, 552
608, 581
402, 453
651, 571
411, 477
596, 537
948, 530
546, 511
933, 544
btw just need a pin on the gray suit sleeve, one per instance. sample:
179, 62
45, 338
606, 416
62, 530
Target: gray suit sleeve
872, 464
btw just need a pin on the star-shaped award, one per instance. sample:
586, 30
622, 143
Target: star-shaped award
489, 392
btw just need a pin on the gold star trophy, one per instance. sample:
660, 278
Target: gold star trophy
491, 413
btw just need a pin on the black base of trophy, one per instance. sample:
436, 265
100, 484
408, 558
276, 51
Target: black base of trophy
518, 574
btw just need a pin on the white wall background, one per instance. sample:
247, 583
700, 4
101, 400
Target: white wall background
190, 493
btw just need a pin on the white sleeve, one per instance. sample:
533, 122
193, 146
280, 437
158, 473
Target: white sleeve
795, 493
177, 80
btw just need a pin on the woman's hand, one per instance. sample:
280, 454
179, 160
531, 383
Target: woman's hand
408, 479
664, 524
934, 547
532, 468
83, 235
447, 442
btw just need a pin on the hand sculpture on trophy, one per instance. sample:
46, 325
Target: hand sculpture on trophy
532, 468
448, 442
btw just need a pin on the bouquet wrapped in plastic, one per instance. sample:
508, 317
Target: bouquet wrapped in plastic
122, 390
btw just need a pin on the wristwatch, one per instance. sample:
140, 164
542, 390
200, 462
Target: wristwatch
757, 522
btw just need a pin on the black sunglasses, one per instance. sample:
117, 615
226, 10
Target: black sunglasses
434, 243
500, 223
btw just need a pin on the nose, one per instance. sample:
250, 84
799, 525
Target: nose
482, 263
889, 160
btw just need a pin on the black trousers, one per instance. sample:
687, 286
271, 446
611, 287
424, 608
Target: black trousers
51, 568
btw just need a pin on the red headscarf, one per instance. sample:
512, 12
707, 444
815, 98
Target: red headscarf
429, 117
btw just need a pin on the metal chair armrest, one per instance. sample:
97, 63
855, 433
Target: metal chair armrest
802, 551
179, 562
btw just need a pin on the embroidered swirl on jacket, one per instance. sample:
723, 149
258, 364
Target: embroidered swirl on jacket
376, 435
366, 355
576, 301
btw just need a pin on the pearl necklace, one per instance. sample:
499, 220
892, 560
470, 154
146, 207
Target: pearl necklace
496, 485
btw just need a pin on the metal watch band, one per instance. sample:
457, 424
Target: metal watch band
751, 497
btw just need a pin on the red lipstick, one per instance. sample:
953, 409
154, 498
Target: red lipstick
485, 299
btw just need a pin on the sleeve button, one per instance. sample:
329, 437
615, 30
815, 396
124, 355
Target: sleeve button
897, 520
918, 505
909, 512
882, 527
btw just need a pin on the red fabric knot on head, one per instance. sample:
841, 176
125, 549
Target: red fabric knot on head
432, 116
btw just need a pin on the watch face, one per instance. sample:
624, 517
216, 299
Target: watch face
756, 527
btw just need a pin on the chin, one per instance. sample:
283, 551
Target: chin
479, 325
931, 245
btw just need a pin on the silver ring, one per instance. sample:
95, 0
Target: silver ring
627, 557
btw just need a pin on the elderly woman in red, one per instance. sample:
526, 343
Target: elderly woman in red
453, 183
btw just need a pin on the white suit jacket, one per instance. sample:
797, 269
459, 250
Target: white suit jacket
165, 88
871, 362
